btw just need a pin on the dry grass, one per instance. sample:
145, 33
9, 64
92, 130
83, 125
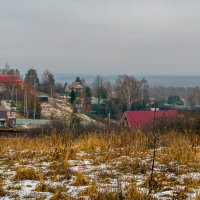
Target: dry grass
42, 187
92, 189
133, 194
60, 167
80, 180
126, 153
191, 183
18, 187
2, 191
134, 167
105, 195
60, 196
180, 148
158, 182
25, 174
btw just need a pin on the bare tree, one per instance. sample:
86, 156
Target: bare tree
99, 90
27, 101
196, 95
109, 88
144, 89
87, 95
97, 85
47, 82
127, 88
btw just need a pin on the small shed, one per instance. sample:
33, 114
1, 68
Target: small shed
43, 98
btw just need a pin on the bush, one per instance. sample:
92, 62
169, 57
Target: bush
42, 187
60, 196
133, 194
25, 174
80, 180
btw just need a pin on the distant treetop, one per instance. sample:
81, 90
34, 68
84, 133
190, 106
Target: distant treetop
78, 80
32, 77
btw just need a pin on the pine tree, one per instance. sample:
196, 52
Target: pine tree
72, 96
32, 77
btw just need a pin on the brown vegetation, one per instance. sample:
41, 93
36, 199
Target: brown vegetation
25, 174
111, 157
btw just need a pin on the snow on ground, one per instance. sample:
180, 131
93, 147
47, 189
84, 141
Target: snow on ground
55, 110
90, 168
7, 105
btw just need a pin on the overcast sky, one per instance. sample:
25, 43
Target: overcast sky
139, 37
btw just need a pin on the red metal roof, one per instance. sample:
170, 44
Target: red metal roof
75, 85
10, 78
137, 119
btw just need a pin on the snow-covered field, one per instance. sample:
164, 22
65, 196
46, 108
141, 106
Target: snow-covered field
91, 172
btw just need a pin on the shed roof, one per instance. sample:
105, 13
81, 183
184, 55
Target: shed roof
138, 119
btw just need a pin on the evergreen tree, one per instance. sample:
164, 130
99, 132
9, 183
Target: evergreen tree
78, 80
72, 96
87, 99
32, 77
88, 92
38, 111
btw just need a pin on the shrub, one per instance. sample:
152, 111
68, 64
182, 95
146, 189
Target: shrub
106, 195
18, 187
91, 190
42, 187
133, 194
60, 196
191, 183
61, 168
133, 167
157, 182
25, 174
80, 180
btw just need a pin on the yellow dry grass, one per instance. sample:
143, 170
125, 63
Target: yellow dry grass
57, 150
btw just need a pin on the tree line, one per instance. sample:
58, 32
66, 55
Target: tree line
101, 98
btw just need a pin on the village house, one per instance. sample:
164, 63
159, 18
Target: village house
76, 86
139, 119
8, 79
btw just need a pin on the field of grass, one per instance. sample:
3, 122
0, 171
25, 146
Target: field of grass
100, 166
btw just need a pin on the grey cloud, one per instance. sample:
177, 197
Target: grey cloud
98, 36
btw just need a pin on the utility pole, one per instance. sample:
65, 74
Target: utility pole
109, 118
16, 97
34, 98
24, 100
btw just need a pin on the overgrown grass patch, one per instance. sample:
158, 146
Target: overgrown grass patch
26, 174
2, 190
80, 180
